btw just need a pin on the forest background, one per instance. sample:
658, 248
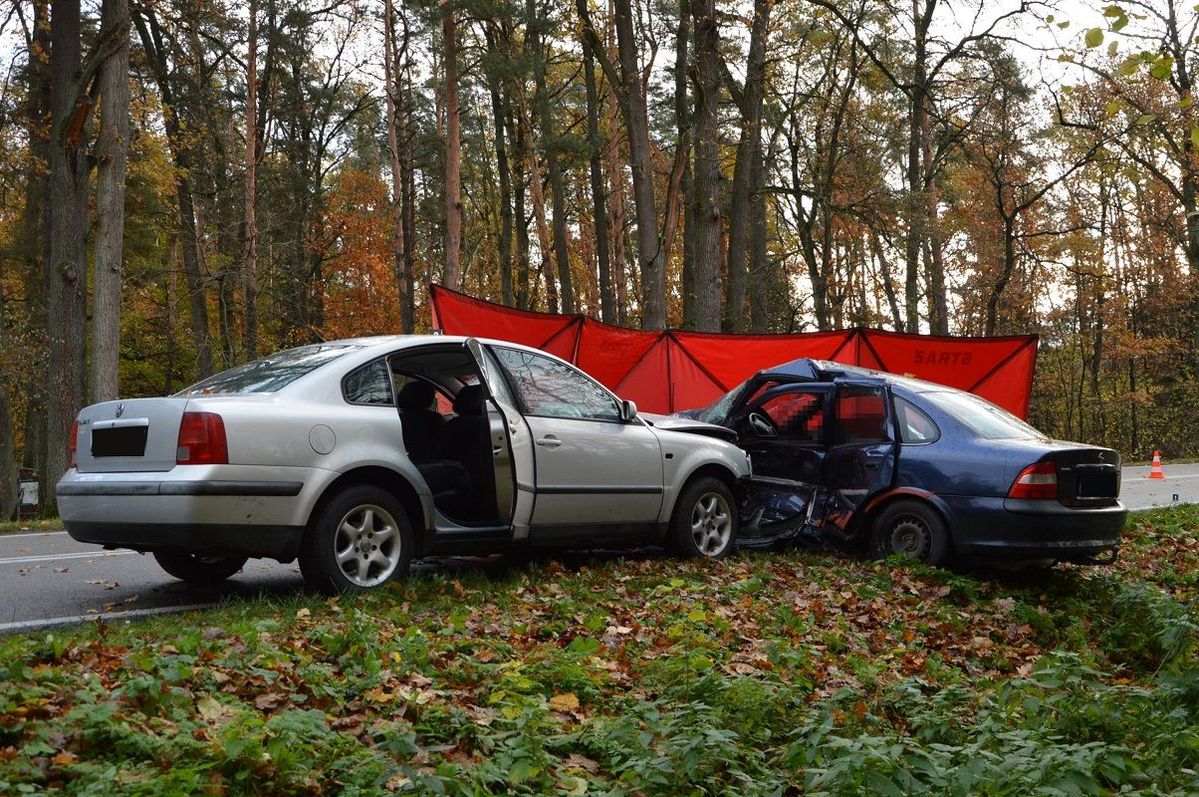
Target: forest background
188, 184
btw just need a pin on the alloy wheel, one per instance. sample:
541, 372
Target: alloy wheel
711, 524
367, 545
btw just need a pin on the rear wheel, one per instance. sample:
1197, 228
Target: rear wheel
359, 541
704, 522
198, 569
911, 529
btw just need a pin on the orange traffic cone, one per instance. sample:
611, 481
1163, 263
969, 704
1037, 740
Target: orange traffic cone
1156, 471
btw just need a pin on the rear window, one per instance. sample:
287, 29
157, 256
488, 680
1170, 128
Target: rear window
270, 373
982, 417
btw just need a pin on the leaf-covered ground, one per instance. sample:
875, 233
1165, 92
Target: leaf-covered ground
778, 673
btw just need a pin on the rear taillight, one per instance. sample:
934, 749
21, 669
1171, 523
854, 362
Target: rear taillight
1037, 481
202, 440
73, 445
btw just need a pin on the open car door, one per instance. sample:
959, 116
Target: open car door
783, 428
862, 450
511, 445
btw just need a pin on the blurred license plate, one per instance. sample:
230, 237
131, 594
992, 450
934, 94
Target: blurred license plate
120, 441
1097, 485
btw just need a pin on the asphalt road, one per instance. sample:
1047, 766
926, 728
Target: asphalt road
47, 579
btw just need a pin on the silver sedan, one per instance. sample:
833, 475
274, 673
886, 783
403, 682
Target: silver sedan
357, 456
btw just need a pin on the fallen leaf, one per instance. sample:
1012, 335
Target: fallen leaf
268, 701
63, 758
576, 761
565, 702
210, 708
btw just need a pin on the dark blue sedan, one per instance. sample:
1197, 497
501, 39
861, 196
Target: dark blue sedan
849, 456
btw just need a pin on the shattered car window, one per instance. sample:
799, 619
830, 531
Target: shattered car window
718, 410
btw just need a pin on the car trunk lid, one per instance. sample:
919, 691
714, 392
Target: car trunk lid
1086, 476
129, 436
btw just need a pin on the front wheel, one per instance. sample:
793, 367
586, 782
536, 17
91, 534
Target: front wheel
911, 529
198, 569
704, 522
359, 541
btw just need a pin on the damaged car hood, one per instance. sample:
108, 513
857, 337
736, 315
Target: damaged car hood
674, 423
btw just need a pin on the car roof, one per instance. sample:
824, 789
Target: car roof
808, 368
373, 346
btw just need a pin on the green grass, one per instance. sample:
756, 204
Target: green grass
15, 526
765, 674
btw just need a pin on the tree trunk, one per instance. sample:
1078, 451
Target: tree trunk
151, 37
393, 77
521, 214
761, 278
8, 458
112, 149
33, 233
708, 219
748, 148
498, 116
66, 289
682, 120
249, 217
536, 188
934, 267
616, 202
1006, 269
599, 210
884, 268
651, 257
453, 150
917, 120
545, 118
408, 167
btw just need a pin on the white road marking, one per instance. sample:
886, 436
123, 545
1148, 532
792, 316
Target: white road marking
108, 617
29, 560
24, 534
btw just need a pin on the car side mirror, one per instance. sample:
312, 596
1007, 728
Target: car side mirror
628, 410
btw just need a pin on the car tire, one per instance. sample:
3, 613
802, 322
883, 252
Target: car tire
704, 522
912, 529
357, 542
198, 569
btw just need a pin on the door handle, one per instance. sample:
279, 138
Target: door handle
549, 441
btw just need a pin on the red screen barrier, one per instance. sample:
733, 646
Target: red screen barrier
671, 371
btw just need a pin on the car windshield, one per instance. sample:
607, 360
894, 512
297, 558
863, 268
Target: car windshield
717, 411
270, 373
982, 417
